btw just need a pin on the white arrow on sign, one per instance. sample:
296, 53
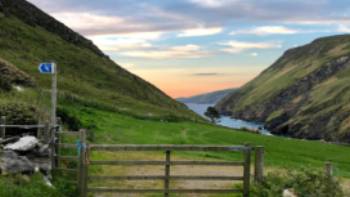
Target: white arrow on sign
47, 68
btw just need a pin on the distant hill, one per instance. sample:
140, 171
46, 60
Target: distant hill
87, 77
207, 98
304, 94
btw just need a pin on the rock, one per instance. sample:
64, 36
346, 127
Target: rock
42, 165
10, 162
289, 193
9, 140
43, 150
25, 143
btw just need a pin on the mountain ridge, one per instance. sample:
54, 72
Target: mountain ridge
207, 98
303, 94
29, 36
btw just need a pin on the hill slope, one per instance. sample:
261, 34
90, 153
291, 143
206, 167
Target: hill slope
28, 36
304, 94
207, 98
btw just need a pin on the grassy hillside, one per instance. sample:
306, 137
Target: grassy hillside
304, 94
207, 98
29, 36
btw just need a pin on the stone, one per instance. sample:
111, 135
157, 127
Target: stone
289, 193
10, 162
25, 143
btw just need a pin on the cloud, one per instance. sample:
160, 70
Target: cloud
212, 3
235, 46
97, 24
343, 29
173, 16
200, 32
207, 74
175, 52
120, 42
266, 30
254, 54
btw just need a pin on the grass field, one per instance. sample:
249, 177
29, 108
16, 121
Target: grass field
280, 152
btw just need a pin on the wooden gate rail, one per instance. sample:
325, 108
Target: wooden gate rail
84, 163
245, 178
80, 136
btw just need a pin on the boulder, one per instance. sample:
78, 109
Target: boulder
25, 143
10, 162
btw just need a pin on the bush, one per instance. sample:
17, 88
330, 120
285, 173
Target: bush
305, 183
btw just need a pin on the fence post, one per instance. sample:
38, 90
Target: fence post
46, 132
82, 164
57, 140
3, 128
329, 169
246, 171
259, 164
167, 173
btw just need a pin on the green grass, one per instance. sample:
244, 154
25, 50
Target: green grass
33, 186
280, 152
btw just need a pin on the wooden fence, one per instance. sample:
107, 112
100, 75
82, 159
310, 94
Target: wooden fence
85, 150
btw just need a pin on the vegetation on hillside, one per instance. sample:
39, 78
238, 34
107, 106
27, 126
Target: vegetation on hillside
85, 76
304, 94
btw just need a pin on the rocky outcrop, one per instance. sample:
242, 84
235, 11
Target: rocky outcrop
10, 75
297, 104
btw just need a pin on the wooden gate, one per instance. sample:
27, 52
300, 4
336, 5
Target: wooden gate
86, 149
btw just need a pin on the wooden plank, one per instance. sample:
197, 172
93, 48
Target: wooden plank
133, 147
172, 163
22, 126
259, 164
246, 173
67, 158
97, 178
115, 190
67, 170
65, 145
3, 129
209, 178
203, 178
167, 173
207, 163
126, 162
71, 133
83, 168
205, 191
328, 169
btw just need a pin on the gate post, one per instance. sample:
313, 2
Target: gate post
259, 164
328, 169
167, 173
3, 128
82, 164
246, 171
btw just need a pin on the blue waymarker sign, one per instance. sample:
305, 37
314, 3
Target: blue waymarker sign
47, 68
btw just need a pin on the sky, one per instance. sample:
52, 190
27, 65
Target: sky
187, 47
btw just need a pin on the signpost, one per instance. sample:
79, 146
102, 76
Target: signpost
50, 68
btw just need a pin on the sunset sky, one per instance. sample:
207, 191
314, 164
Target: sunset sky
186, 47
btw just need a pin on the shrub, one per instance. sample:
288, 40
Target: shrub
305, 183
